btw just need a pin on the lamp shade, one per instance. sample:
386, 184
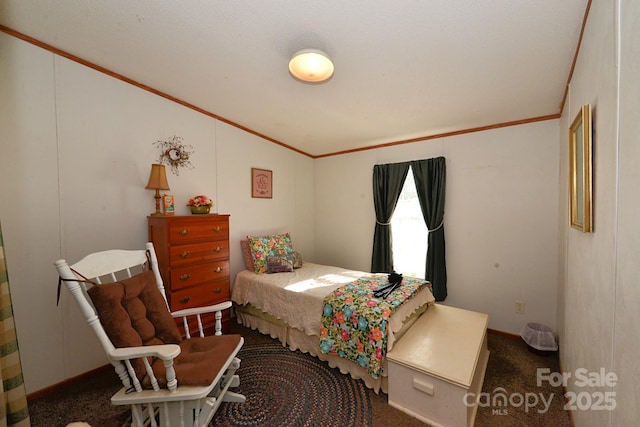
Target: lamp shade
311, 66
158, 178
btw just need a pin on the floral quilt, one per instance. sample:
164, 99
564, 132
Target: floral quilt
354, 321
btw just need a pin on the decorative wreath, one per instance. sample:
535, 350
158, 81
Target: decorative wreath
174, 153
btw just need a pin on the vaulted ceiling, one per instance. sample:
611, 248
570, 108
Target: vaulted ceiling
405, 69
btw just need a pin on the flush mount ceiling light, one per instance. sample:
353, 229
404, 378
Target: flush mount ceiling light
311, 66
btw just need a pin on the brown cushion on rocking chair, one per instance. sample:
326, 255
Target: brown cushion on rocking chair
133, 312
200, 360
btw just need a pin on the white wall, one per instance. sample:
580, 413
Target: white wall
501, 220
587, 296
627, 315
587, 302
76, 149
292, 206
599, 296
29, 206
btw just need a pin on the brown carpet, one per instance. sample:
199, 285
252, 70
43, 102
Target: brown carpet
511, 370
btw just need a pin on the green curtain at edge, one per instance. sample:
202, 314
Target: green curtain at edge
430, 178
387, 185
14, 411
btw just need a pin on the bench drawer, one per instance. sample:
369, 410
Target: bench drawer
425, 397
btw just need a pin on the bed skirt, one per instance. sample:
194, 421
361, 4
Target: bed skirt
296, 339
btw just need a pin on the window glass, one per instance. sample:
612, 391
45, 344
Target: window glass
409, 232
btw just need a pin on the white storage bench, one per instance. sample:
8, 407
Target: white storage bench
441, 358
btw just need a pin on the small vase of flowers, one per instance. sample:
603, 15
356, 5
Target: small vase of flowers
200, 204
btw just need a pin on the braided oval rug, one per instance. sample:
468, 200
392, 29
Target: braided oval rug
287, 388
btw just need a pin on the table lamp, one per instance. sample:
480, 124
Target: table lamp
157, 181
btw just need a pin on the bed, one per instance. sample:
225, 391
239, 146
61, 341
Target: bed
289, 306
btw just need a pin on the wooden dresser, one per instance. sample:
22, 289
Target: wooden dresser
193, 256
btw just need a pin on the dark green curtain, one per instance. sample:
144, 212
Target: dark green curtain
430, 177
387, 185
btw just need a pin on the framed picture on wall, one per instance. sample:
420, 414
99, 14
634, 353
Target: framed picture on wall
261, 183
580, 170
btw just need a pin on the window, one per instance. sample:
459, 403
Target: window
409, 232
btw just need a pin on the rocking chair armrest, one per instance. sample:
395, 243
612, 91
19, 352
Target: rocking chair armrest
202, 310
164, 352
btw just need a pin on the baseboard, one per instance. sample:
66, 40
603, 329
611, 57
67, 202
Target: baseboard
504, 334
69, 381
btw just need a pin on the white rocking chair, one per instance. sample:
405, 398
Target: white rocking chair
167, 381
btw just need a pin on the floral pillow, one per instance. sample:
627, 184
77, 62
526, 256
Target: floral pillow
262, 247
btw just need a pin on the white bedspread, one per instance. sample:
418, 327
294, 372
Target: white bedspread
297, 298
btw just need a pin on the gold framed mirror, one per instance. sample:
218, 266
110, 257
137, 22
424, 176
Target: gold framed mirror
580, 170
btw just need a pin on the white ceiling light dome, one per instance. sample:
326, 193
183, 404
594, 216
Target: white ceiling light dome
311, 66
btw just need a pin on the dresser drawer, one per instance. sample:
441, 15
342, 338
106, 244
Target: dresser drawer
192, 231
200, 296
195, 275
198, 252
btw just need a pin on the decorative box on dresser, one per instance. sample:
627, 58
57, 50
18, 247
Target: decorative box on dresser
193, 256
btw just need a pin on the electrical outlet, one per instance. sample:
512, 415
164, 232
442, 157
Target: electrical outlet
519, 307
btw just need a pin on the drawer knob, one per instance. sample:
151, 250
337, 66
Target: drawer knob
218, 269
184, 300
217, 249
217, 291
183, 232
184, 254
217, 229
184, 277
